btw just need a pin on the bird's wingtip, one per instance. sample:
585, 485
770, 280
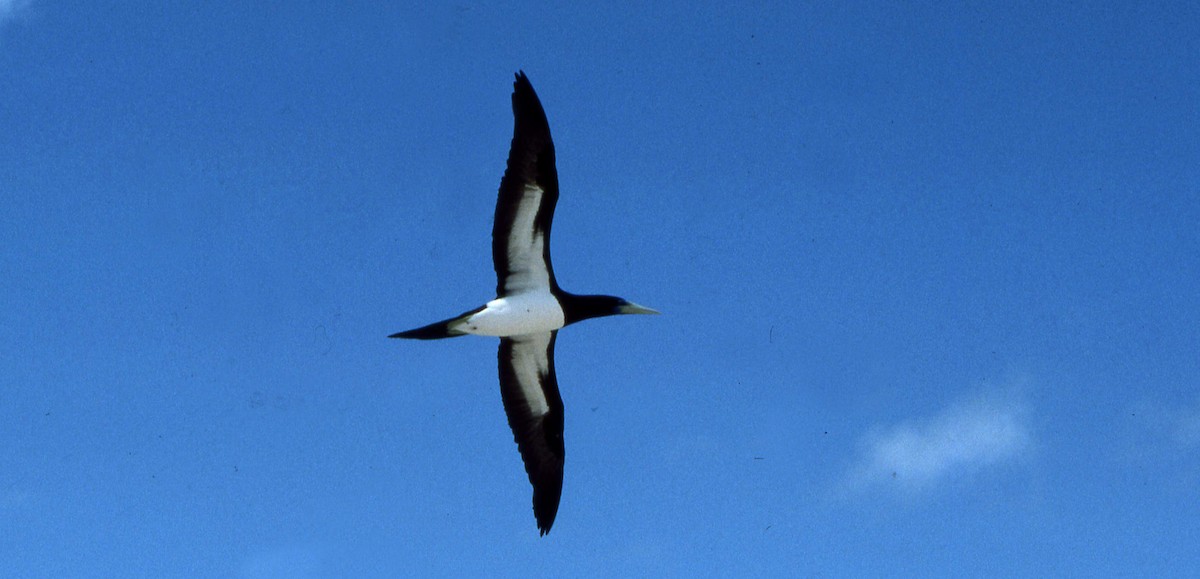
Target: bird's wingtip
521, 79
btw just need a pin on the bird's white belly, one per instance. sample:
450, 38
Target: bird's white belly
528, 313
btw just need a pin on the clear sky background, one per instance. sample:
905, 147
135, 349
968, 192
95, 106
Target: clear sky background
928, 277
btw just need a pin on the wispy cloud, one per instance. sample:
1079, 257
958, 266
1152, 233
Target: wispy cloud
9, 9
967, 436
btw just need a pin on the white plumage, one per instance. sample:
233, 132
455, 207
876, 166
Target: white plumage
530, 312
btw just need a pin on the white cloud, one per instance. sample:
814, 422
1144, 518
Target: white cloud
965, 437
10, 8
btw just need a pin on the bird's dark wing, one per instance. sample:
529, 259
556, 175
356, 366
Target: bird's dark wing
535, 413
528, 193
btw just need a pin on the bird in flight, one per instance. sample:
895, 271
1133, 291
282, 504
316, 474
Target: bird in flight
529, 308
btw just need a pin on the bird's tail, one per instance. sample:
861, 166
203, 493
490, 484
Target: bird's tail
439, 330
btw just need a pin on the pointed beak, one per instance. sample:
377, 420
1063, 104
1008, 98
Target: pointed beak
632, 308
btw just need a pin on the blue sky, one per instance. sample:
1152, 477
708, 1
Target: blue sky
928, 276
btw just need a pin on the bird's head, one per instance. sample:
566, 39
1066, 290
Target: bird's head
579, 308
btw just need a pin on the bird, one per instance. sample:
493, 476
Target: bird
530, 307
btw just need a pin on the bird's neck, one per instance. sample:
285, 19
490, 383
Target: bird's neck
577, 308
